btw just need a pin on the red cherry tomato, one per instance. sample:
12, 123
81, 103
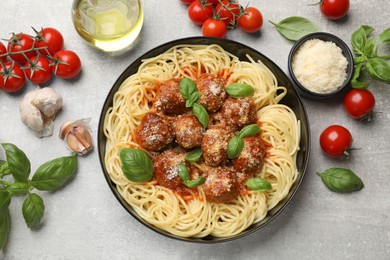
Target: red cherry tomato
38, 70
251, 21
214, 28
187, 2
214, 2
3, 50
21, 43
334, 9
359, 103
67, 64
228, 11
12, 77
50, 38
335, 141
199, 13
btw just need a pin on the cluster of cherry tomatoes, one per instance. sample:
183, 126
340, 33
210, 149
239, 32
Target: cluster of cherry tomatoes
336, 140
36, 58
217, 16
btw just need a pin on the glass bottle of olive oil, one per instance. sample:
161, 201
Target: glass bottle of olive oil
108, 25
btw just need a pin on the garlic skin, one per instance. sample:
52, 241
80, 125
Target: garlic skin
77, 136
39, 108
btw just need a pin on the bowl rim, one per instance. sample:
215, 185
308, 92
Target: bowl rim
346, 51
305, 134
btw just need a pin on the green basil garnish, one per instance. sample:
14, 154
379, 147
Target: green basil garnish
358, 79
249, 130
189, 91
258, 184
136, 165
5, 225
194, 155
18, 188
237, 90
4, 169
235, 147
185, 176
18, 163
33, 210
55, 173
293, 28
201, 114
5, 200
378, 69
341, 180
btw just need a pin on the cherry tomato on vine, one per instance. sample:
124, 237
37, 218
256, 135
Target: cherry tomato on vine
251, 21
21, 43
67, 64
199, 12
38, 70
3, 50
335, 141
214, 28
334, 9
214, 2
359, 103
50, 38
228, 11
187, 2
12, 77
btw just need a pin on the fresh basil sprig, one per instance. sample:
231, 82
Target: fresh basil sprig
258, 184
236, 143
136, 165
295, 27
341, 180
50, 176
201, 114
194, 155
185, 176
237, 90
367, 58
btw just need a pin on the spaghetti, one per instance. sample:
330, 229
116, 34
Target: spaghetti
197, 217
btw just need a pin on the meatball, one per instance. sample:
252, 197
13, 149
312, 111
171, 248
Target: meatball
212, 92
220, 185
238, 112
166, 169
215, 146
154, 133
169, 99
188, 131
251, 159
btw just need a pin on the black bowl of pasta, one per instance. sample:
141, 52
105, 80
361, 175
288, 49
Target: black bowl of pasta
202, 164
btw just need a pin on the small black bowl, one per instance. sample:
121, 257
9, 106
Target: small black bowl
304, 92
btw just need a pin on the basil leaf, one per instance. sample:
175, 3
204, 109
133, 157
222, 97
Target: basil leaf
5, 225
238, 90
194, 96
249, 130
5, 200
358, 39
18, 188
384, 37
235, 147
183, 172
18, 163
55, 173
194, 155
187, 87
136, 165
369, 48
378, 69
4, 169
196, 182
201, 114
341, 180
293, 28
358, 79
33, 210
258, 184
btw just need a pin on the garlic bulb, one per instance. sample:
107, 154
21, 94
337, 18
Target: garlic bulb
39, 108
77, 136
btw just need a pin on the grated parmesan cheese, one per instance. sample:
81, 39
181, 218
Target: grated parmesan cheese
320, 66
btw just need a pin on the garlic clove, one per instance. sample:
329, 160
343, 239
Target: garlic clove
65, 128
77, 136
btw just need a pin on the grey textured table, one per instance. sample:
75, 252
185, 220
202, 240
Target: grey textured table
85, 220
